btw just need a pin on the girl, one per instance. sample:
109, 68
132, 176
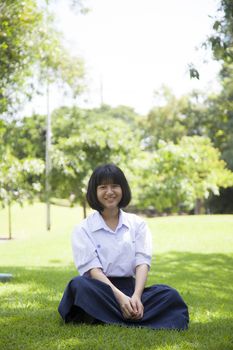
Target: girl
112, 252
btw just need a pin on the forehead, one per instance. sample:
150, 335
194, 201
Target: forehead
107, 181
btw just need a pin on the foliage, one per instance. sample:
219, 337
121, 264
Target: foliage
178, 175
221, 41
220, 123
20, 22
27, 137
99, 142
67, 121
193, 72
31, 50
168, 112
19, 179
124, 113
3, 131
174, 117
81, 139
170, 177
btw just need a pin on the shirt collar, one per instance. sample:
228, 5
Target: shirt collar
98, 222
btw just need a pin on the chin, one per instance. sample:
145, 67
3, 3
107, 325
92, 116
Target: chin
111, 206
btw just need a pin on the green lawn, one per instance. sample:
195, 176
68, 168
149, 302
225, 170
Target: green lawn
191, 253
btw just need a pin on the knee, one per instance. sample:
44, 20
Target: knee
173, 295
77, 282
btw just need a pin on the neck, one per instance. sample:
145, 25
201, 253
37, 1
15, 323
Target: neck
111, 217
110, 213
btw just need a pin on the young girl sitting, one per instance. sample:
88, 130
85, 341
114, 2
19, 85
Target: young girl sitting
112, 252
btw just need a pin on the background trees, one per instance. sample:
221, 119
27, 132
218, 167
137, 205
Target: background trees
31, 56
221, 43
20, 181
181, 176
176, 157
166, 120
221, 106
31, 52
92, 141
172, 174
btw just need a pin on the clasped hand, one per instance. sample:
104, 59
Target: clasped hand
131, 308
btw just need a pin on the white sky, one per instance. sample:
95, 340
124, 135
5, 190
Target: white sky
135, 46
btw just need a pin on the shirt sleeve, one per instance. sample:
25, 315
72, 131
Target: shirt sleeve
143, 244
84, 251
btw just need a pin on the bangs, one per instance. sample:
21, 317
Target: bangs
107, 176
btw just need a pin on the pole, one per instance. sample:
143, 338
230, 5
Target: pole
48, 160
48, 143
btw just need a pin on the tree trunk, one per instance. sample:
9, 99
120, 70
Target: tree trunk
9, 222
198, 206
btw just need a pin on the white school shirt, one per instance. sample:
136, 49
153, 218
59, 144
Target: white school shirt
117, 252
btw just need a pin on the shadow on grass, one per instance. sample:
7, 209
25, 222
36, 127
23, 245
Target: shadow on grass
195, 275
29, 317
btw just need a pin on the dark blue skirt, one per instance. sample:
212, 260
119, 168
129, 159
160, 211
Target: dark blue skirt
92, 301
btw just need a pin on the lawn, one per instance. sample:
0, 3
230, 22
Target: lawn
191, 253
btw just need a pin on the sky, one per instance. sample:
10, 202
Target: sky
133, 47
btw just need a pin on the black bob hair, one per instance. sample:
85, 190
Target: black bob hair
107, 173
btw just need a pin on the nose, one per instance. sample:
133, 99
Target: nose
109, 189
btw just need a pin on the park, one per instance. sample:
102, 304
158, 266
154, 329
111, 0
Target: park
177, 157
191, 253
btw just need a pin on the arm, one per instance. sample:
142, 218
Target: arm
141, 278
143, 261
123, 300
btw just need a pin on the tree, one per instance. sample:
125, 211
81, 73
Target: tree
179, 175
99, 142
20, 180
166, 121
31, 51
221, 41
221, 107
26, 137
75, 133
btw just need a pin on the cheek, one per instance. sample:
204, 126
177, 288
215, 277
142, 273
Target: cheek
120, 193
98, 195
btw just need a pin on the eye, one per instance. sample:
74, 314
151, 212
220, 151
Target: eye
115, 185
101, 187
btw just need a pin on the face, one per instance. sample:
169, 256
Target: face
109, 195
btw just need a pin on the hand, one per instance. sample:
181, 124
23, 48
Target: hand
127, 309
137, 306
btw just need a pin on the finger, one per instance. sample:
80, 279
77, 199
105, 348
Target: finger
134, 306
127, 313
137, 317
140, 311
131, 311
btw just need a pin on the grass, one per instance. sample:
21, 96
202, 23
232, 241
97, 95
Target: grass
191, 253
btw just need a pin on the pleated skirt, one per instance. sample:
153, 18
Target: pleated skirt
88, 300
